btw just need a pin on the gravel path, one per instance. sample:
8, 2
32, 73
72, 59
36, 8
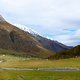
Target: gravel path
45, 69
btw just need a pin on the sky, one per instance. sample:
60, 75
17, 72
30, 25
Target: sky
55, 19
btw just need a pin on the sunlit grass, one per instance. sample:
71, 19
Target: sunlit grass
39, 75
20, 62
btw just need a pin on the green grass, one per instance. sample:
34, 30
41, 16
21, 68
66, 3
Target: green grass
39, 75
20, 62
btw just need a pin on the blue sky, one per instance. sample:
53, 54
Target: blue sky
56, 19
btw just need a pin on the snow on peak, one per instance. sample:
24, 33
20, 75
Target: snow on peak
31, 31
25, 28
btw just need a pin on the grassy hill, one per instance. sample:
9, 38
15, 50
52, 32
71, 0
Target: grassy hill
23, 54
74, 52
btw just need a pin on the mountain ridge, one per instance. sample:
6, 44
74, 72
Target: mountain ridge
16, 39
2, 19
22, 39
52, 45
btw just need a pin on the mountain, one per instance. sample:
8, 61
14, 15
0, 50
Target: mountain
52, 45
74, 52
13, 38
27, 29
2, 19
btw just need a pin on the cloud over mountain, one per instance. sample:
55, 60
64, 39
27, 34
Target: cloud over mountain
52, 16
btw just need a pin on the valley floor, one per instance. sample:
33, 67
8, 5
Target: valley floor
19, 62
9, 63
39, 75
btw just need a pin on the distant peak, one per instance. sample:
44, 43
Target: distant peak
1, 19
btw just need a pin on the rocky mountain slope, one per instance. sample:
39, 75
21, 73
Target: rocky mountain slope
13, 38
52, 45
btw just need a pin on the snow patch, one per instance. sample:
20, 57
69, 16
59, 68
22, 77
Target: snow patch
25, 28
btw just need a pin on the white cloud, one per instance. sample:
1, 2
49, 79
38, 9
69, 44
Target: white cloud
66, 39
77, 34
69, 39
46, 16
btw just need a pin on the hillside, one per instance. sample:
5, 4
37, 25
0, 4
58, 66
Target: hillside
52, 45
74, 52
13, 38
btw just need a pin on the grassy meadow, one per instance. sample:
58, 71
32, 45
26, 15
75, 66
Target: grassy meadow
39, 75
20, 62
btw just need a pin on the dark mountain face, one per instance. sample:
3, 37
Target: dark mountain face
51, 44
13, 38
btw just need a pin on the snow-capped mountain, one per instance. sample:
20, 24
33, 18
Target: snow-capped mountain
25, 28
31, 31
52, 45
13, 38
